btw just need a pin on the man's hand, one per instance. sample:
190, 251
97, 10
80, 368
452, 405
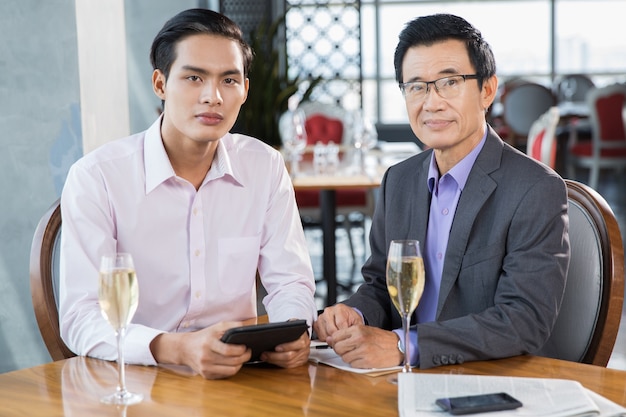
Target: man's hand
366, 347
202, 351
290, 355
335, 318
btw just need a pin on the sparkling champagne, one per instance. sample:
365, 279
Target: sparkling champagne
405, 282
118, 295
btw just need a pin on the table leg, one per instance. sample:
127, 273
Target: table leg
328, 208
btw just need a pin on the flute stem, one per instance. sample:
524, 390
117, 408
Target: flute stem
406, 322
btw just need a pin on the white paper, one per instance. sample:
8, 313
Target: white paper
330, 358
540, 396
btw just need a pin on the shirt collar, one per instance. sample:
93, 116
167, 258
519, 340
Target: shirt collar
158, 168
460, 172
222, 164
157, 165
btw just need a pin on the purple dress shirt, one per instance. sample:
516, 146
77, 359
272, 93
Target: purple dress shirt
445, 191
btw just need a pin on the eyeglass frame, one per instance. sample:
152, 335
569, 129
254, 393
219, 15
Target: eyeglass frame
465, 77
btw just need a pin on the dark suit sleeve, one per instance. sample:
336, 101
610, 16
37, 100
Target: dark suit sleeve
401, 213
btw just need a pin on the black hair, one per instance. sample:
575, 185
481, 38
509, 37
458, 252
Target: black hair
193, 22
427, 30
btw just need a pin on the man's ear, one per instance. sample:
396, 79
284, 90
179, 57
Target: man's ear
158, 83
247, 88
489, 91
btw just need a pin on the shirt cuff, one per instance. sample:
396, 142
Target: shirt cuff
361, 314
414, 354
137, 345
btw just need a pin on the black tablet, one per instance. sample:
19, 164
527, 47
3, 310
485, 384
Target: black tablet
265, 337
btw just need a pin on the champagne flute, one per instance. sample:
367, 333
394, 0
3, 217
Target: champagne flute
364, 139
118, 295
405, 284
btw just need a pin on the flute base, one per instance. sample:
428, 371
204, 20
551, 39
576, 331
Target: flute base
393, 379
122, 398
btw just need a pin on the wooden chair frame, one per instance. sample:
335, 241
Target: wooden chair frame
612, 291
43, 281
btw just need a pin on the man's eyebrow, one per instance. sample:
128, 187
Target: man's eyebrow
443, 73
202, 71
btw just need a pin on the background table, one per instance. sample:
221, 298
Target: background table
328, 185
73, 387
378, 160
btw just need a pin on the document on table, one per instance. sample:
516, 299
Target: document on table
540, 396
324, 354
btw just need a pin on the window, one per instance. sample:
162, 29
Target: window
588, 38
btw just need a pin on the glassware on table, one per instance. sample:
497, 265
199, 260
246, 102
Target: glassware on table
295, 140
364, 138
405, 284
320, 161
332, 158
118, 294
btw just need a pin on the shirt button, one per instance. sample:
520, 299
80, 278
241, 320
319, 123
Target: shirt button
197, 252
445, 212
198, 294
439, 256
195, 211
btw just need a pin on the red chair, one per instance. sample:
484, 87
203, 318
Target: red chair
607, 148
542, 139
321, 128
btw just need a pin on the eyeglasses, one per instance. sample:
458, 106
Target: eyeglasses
447, 87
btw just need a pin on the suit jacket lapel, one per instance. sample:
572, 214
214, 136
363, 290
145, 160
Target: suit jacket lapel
421, 206
477, 190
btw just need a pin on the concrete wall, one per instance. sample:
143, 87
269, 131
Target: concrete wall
144, 19
41, 136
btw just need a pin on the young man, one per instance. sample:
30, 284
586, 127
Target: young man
492, 223
200, 210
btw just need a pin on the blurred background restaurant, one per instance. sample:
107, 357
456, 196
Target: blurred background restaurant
76, 74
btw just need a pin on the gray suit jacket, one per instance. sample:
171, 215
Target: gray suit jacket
505, 266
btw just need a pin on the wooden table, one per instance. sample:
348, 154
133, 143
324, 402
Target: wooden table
72, 387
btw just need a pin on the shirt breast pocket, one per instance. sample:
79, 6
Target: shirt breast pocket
237, 263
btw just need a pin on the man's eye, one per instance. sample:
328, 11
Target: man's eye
450, 82
416, 88
193, 78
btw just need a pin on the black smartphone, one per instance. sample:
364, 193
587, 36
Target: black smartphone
265, 337
478, 403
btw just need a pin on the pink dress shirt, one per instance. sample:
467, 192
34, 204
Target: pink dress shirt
196, 253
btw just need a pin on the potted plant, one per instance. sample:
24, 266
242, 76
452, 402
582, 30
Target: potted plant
270, 88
